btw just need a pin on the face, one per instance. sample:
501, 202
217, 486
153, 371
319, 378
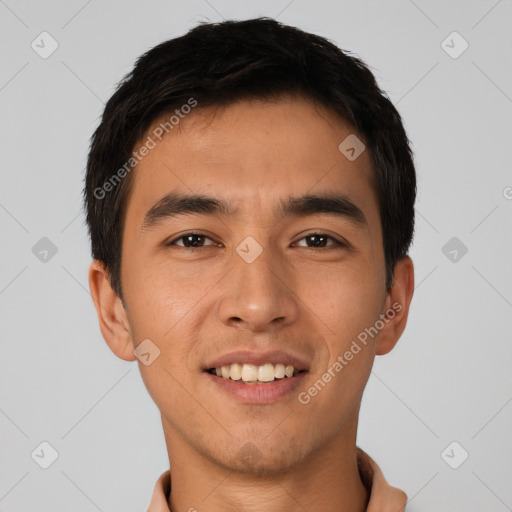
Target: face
268, 278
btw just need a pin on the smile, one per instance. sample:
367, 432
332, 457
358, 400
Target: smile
252, 374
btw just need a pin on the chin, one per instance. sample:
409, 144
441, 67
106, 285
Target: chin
264, 459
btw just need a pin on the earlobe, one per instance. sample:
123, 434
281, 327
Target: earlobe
397, 306
111, 314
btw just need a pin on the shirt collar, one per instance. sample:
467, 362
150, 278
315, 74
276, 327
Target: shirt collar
383, 497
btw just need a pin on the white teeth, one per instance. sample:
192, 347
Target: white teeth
266, 373
251, 373
236, 371
280, 372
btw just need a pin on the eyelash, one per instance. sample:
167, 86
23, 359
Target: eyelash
337, 243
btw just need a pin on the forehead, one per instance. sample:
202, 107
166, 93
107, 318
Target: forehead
252, 154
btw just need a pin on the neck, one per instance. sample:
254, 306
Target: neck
327, 480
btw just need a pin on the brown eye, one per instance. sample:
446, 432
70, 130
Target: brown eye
320, 240
191, 240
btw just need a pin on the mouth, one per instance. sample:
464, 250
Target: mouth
252, 378
246, 373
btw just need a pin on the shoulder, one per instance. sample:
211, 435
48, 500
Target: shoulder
383, 497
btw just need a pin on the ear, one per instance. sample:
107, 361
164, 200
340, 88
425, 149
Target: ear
397, 305
111, 313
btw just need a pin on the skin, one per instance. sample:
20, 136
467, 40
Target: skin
198, 305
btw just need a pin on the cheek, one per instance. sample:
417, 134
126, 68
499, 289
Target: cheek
347, 300
159, 297
164, 306
349, 304
347, 360
334, 396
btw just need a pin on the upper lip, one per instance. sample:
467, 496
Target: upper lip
258, 359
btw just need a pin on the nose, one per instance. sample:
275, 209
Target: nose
259, 296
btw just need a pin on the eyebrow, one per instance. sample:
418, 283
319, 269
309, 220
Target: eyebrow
175, 204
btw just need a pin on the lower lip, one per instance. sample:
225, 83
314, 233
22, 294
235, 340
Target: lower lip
258, 393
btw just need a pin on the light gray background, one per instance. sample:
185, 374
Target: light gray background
448, 379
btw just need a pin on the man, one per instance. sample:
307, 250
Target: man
250, 199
